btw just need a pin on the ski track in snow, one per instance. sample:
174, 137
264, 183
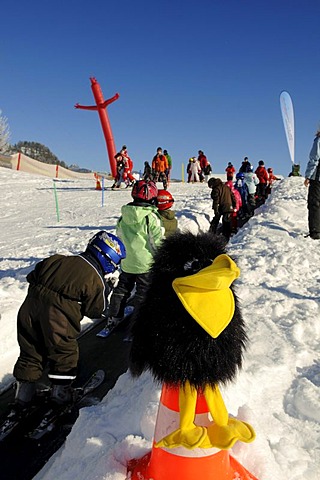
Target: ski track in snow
278, 389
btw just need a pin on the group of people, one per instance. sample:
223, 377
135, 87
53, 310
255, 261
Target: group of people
259, 181
198, 168
64, 289
124, 169
160, 168
235, 200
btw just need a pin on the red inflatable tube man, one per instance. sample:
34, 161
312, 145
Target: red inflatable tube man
101, 107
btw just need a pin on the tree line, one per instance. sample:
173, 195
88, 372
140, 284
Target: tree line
35, 150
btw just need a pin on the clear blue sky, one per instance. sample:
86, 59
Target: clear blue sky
192, 74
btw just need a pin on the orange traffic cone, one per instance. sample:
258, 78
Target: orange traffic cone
98, 184
181, 463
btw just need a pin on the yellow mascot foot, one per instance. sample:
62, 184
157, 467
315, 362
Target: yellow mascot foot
225, 436
188, 438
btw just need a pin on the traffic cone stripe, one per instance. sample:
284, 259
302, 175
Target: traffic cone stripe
170, 398
181, 463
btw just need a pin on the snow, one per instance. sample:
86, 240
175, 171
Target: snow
277, 391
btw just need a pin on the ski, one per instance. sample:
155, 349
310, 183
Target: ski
106, 331
13, 419
18, 416
55, 414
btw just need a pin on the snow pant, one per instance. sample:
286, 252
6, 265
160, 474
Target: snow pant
226, 224
161, 177
122, 292
314, 208
261, 192
251, 204
46, 336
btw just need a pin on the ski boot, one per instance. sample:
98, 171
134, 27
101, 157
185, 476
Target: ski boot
61, 394
113, 322
25, 393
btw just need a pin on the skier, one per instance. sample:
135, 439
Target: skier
236, 210
242, 188
223, 205
130, 180
263, 178
251, 180
120, 171
62, 290
140, 228
164, 202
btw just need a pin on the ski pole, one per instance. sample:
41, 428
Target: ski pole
56, 199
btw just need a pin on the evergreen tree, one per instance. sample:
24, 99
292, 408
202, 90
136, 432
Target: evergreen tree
37, 151
4, 134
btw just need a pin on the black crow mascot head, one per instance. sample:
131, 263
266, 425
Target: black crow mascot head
167, 340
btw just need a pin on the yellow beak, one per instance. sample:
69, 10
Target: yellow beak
206, 295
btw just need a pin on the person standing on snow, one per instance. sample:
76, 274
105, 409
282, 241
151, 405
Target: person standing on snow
203, 162
62, 290
130, 180
169, 161
312, 180
140, 229
263, 178
230, 171
251, 180
245, 165
147, 172
236, 210
159, 168
120, 171
195, 170
223, 204
164, 203
272, 179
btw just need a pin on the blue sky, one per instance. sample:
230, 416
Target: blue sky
192, 74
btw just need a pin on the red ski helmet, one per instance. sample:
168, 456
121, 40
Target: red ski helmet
144, 190
164, 200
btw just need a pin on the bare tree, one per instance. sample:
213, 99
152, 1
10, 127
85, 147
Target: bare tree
4, 134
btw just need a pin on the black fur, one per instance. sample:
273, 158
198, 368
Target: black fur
166, 339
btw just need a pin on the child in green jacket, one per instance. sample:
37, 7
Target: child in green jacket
140, 229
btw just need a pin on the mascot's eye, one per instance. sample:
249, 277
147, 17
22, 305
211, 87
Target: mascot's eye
192, 266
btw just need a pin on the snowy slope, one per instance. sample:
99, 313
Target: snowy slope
278, 388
